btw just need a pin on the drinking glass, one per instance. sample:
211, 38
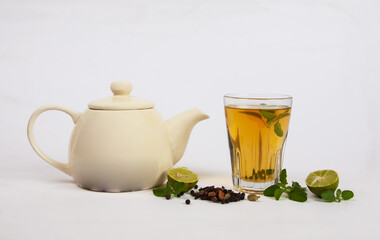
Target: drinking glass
257, 127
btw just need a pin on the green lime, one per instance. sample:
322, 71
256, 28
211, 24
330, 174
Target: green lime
322, 180
182, 175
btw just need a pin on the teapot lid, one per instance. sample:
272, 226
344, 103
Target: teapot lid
121, 100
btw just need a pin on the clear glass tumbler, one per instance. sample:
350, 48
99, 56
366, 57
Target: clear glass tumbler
257, 127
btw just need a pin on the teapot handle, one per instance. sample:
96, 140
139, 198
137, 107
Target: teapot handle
64, 167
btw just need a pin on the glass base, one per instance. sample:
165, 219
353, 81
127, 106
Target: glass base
250, 186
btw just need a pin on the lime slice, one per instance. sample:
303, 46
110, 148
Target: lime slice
182, 175
322, 180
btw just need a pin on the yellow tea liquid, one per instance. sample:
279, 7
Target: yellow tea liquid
256, 137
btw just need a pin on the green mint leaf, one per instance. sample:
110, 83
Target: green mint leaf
347, 194
281, 185
328, 196
278, 130
296, 185
298, 195
267, 114
269, 122
278, 192
161, 192
283, 176
338, 194
288, 189
269, 191
178, 187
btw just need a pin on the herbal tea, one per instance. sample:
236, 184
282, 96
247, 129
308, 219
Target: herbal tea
256, 137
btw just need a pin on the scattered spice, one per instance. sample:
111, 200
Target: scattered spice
167, 196
253, 197
187, 201
216, 194
211, 194
221, 195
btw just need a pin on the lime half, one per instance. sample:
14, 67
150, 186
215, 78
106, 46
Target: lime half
182, 175
322, 180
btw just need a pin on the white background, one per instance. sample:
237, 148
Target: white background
184, 54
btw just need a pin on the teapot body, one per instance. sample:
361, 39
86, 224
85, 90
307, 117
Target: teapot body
116, 151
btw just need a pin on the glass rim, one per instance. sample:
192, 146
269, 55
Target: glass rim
258, 96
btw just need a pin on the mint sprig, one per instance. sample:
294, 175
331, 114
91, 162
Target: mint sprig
295, 191
267, 114
340, 195
169, 190
278, 117
271, 118
262, 174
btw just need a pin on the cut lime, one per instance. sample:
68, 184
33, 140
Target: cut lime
322, 180
182, 175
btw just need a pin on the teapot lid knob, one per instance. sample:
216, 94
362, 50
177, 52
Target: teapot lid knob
121, 100
121, 88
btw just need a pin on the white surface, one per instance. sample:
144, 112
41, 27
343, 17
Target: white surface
184, 54
49, 206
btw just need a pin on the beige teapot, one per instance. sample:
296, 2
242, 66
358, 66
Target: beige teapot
121, 143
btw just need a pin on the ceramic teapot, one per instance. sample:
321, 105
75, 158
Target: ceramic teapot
121, 143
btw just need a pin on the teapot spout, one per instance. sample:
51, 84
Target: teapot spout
180, 127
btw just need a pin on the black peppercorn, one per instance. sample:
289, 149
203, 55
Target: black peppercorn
187, 201
167, 196
242, 196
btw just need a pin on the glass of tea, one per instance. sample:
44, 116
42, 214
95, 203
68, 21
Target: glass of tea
257, 127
